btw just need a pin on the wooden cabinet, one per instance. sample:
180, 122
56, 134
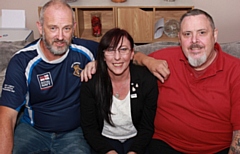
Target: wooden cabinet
83, 16
137, 21
138, 17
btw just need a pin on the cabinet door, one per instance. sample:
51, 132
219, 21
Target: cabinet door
138, 22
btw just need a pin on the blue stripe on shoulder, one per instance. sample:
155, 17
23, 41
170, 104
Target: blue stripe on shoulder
31, 68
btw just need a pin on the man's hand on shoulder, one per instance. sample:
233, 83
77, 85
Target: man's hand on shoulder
158, 67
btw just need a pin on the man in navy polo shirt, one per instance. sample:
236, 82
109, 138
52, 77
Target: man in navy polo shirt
45, 78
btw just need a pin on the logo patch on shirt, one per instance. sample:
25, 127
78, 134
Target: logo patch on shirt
7, 87
45, 80
77, 69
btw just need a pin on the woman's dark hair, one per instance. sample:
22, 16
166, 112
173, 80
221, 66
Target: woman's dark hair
104, 90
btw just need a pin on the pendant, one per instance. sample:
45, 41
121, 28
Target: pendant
117, 95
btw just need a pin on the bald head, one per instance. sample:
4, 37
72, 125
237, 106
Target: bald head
55, 5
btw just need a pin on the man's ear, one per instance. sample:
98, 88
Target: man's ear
74, 25
215, 34
40, 28
179, 38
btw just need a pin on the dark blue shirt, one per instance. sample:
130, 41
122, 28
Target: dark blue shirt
48, 89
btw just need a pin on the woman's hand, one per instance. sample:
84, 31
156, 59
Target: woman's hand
89, 69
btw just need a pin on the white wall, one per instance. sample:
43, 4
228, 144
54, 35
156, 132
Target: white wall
226, 14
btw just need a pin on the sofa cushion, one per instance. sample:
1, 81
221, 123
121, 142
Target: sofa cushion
2, 77
7, 49
149, 48
232, 48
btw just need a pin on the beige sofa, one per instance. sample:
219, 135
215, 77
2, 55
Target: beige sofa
7, 49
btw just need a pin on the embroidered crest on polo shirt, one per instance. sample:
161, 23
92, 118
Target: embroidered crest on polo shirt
45, 80
77, 69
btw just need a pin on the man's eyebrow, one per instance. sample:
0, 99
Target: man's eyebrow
202, 29
68, 25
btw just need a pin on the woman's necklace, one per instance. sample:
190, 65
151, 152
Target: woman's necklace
119, 90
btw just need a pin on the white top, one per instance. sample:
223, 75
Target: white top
122, 119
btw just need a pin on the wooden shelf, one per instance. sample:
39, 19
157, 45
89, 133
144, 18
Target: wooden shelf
138, 17
87, 34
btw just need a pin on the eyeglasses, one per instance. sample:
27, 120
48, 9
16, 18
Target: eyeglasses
122, 51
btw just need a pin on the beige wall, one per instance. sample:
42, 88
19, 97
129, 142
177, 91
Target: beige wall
226, 14
30, 7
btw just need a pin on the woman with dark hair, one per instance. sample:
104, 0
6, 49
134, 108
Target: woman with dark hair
118, 104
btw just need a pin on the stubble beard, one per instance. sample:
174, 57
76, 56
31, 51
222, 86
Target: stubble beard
55, 50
